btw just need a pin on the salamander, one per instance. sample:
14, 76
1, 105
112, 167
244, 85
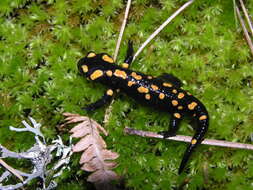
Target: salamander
163, 92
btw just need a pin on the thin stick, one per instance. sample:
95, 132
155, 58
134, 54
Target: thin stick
11, 169
247, 17
158, 30
188, 139
244, 30
122, 30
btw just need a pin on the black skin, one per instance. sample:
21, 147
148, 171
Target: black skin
163, 92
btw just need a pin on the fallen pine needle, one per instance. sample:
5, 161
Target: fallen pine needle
188, 139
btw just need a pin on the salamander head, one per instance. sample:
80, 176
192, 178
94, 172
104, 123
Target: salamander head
93, 65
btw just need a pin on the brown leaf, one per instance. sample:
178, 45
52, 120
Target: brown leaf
83, 144
109, 155
87, 155
95, 156
102, 176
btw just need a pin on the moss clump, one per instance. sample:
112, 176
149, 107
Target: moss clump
41, 42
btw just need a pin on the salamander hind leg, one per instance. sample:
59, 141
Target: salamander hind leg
173, 127
106, 98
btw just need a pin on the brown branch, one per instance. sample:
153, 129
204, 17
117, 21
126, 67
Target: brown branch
245, 31
188, 139
247, 16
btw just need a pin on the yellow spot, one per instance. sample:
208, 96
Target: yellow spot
85, 68
167, 84
137, 77
109, 73
174, 102
180, 107
192, 105
194, 141
174, 91
150, 77
142, 89
161, 96
130, 83
147, 96
203, 117
91, 54
121, 74
180, 95
154, 87
96, 74
109, 92
125, 65
107, 59
177, 115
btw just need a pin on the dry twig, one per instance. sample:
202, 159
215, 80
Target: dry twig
245, 31
188, 139
122, 30
158, 30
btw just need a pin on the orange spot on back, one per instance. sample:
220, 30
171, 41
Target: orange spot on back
85, 68
109, 92
174, 102
96, 74
147, 96
177, 115
192, 105
109, 73
203, 117
167, 84
107, 59
180, 95
154, 87
125, 65
130, 83
120, 73
142, 89
161, 96
91, 54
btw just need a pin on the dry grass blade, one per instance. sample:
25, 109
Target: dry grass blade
245, 31
160, 28
95, 157
188, 139
11, 169
247, 17
122, 30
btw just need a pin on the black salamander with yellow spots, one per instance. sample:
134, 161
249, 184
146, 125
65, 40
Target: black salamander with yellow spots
163, 92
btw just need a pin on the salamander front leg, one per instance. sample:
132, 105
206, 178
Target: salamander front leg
106, 98
129, 56
174, 123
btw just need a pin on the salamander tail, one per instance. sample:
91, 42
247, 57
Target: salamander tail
197, 139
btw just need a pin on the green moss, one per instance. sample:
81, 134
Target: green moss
41, 42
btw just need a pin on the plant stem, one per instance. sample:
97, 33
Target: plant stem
188, 139
158, 30
122, 30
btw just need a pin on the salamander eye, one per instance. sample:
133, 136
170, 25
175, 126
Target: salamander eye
91, 54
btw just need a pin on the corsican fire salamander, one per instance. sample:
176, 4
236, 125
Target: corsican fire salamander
163, 92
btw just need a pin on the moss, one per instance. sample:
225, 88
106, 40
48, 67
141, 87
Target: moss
41, 42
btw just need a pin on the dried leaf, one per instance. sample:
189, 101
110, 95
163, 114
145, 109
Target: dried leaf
95, 157
102, 176
87, 155
83, 144
109, 155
